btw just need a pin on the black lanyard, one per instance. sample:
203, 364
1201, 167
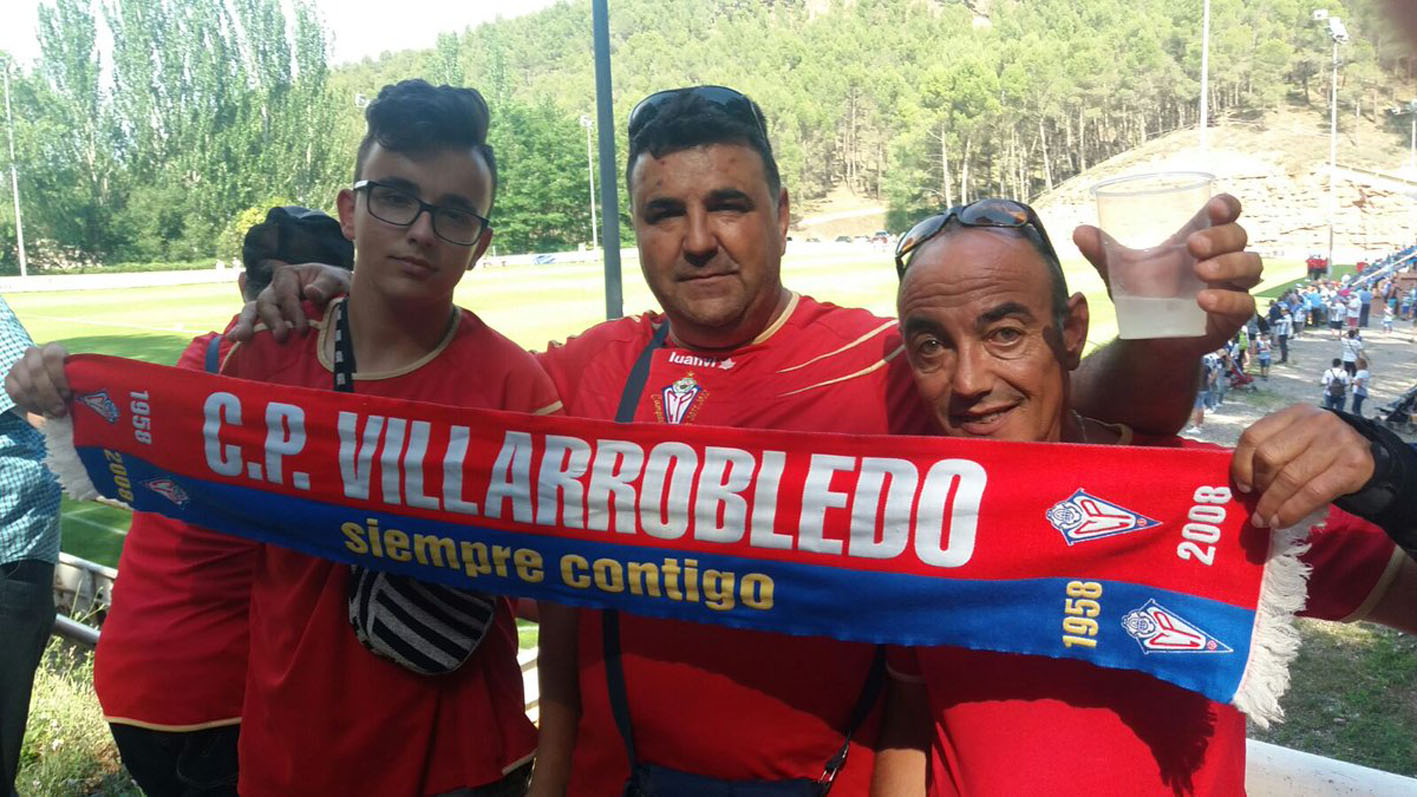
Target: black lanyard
344, 367
610, 618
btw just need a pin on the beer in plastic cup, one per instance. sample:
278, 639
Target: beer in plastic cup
1145, 220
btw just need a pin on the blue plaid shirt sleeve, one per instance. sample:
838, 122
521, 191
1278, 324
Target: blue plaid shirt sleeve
29, 496
13, 342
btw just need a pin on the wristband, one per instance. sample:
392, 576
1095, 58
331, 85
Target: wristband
1389, 499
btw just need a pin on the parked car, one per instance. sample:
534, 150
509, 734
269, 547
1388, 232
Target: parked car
881, 237
542, 260
843, 239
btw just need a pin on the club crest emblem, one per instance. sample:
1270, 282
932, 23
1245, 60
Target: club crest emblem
100, 403
680, 401
1084, 517
168, 489
1159, 630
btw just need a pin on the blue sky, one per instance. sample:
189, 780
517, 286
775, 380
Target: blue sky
361, 27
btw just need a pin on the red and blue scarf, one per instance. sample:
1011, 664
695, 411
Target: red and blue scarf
1135, 558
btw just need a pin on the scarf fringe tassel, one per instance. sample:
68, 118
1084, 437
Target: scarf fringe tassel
63, 460
1283, 593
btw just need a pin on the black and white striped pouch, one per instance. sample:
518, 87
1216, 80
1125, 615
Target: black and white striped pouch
427, 628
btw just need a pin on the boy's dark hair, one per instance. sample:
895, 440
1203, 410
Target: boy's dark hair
685, 121
1337, 362
414, 116
292, 234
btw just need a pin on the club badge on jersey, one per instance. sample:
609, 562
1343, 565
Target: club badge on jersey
1160, 630
679, 402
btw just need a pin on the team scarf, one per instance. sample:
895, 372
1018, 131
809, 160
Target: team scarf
1134, 558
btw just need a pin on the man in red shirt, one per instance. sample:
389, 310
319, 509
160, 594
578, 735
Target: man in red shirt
170, 667
991, 336
740, 349
323, 715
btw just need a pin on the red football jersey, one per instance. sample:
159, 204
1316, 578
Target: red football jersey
323, 715
1013, 724
728, 703
172, 655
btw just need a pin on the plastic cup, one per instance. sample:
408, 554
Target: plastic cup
1145, 220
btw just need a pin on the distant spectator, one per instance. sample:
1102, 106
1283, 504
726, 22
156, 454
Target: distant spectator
1350, 349
1263, 351
1225, 365
1335, 381
1317, 266
1299, 313
1337, 310
1317, 308
1282, 331
1365, 298
1389, 315
1360, 386
1202, 398
1210, 380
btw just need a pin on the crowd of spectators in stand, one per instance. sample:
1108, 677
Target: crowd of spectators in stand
1344, 307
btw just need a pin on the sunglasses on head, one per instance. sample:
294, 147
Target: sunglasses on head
732, 101
1005, 213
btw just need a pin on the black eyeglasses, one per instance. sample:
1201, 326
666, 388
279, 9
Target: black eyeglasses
731, 100
401, 208
1004, 213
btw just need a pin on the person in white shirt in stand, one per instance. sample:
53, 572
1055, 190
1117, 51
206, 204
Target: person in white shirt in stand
1337, 309
1263, 354
1283, 330
1361, 381
1350, 348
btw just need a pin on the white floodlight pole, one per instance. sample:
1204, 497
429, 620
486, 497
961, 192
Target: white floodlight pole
1332, 151
14, 177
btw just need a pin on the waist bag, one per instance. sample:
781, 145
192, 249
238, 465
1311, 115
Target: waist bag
427, 628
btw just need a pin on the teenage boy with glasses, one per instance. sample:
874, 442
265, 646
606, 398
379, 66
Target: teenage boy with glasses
323, 714
711, 221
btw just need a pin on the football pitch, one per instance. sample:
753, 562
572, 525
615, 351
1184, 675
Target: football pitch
530, 304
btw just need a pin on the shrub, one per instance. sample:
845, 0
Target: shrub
67, 748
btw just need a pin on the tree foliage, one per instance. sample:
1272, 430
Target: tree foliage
152, 147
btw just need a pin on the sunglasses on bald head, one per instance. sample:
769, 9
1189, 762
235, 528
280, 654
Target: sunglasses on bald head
733, 102
1004, 213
